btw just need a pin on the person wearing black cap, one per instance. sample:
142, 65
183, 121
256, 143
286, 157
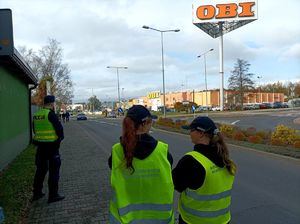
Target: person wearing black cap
204, 176
48, 133
141, 178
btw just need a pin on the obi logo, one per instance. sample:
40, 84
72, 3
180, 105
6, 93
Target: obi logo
225, 11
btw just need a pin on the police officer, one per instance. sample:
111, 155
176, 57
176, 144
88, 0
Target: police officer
48, 133
204, 176
141, 177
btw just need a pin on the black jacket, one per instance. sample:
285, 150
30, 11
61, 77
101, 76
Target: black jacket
189, 173
145, 146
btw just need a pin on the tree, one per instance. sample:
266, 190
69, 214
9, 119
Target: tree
48, 65
240, 80
94, 103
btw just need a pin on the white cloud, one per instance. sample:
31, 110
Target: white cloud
95, 34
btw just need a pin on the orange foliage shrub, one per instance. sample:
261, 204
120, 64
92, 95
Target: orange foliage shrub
277, 142
239, 135
297, 144
255, 139
263, 135
250, 131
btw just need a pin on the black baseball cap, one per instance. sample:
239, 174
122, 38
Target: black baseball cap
49, 99
139, 113
204, 124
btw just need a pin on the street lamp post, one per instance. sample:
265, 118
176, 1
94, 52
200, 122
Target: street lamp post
259, 77
204, 56
162, 60
117, 68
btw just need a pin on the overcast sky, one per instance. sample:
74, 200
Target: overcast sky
99, 33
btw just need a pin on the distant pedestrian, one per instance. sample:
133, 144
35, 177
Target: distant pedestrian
48, 133
141, 173
64, 117
205, 176
67, 116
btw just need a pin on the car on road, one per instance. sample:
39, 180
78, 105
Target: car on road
81, 116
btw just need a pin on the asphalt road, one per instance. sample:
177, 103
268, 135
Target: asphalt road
267, 187
263, 120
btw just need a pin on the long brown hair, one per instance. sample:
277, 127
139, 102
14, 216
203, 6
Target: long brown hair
222, 149
129, 140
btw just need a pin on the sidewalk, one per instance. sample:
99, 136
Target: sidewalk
84, 181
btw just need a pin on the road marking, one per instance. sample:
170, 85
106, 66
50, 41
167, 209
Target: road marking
233, 123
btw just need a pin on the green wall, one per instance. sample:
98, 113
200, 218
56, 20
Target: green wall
14, 116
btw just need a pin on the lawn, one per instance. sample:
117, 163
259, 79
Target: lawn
16, 186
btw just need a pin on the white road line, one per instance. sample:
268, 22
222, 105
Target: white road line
233, 123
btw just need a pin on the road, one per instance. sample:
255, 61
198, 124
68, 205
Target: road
263, 120
267, 186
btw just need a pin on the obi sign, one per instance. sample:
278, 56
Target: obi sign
221, 11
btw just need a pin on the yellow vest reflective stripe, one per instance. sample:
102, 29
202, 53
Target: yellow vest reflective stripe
146, 195
209, 204
44, 130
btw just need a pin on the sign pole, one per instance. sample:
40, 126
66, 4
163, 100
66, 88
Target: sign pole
221, 67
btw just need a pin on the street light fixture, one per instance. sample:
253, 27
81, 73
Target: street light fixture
162, 60
117, 68
204, 56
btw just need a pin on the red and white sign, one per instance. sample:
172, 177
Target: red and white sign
217, 11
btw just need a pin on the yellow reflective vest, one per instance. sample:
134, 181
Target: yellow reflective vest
146, 195
43, 128
209, 204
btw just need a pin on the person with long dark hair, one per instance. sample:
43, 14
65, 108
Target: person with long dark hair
205, 176
141, 178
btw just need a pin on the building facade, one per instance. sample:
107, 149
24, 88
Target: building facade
16, 82
210, 98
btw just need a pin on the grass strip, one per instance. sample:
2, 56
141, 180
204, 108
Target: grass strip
16, 186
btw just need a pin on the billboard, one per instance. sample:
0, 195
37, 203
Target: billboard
6, 32
221, 11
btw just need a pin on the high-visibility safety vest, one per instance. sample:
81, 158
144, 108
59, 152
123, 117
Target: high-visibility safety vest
209, 204
43, 128
146, 195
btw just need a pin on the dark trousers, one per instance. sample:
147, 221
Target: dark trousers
47, 159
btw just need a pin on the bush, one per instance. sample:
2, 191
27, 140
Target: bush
263, 135
227, 130
239, 136
297, 144
250, 131
255, 139
168, 122
277, 142
284, 136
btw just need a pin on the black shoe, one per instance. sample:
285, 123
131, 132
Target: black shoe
37, 196
55, 198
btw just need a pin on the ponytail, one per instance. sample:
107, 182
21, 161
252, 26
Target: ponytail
222, 149
129, 140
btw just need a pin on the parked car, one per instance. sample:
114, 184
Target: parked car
265, 106
203, 108
285, 105
81, 116
215, 108
277, 105
111, 115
